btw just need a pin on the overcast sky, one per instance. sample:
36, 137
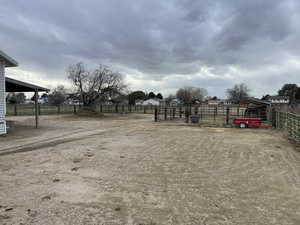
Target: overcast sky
159, 45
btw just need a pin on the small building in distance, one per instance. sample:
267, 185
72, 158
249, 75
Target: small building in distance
219, 102
152, 101
175, 102
279, 99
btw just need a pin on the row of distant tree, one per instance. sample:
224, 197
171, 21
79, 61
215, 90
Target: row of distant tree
103, 84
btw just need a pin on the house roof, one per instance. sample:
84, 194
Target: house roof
257, 101
278, 97
12, 85
9, 62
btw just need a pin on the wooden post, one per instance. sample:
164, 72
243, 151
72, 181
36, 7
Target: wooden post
123, 108
201, 113
39, 106
156, 114
101, 108
58, 109
36, 98
174, 112
74, 109
117, 108
215, 113
166, 113
187, 110
180, 112
227, 116
15, 109
145, 109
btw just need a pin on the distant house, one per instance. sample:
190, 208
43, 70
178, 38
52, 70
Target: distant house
175, 102
214, 101
279, 99
219, 102
139, 102
152, 101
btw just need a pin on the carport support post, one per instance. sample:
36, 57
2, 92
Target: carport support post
36, 97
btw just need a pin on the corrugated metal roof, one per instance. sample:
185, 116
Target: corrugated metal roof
13, 85
9, 62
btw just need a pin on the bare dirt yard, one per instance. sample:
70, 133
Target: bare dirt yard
130, 170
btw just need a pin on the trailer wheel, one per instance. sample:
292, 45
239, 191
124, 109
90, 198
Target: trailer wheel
243, 125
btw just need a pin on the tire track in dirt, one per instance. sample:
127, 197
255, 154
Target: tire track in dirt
77, 136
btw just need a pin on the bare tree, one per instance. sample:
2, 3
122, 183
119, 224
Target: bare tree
238, 93
95, 85
189, 95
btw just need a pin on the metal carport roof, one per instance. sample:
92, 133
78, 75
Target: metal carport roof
12, 85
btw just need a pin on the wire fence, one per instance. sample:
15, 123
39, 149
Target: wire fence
45, 109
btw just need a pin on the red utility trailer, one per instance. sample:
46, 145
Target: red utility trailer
250, 122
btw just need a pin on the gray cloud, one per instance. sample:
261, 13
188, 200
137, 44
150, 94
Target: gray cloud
211, 44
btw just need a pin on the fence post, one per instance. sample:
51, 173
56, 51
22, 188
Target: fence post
15, 110
215, 113
187, 110
174, 112
117, 108
166, 113
58, 109
101, 108
39, 109
155, 114
227, 116
145, 109
201, 113
180, 112
74, 109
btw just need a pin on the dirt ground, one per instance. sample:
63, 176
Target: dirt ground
130, 170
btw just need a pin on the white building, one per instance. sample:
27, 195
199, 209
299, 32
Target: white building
279, 99
151, 101
175, 102
5, 61
219, 102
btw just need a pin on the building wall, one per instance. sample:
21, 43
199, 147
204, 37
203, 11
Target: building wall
2, 99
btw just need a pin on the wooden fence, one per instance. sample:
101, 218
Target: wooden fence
290, 123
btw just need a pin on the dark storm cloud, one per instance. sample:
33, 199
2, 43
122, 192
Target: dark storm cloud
233, 41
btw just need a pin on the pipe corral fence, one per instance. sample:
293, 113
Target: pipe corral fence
221, 115
204, 114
